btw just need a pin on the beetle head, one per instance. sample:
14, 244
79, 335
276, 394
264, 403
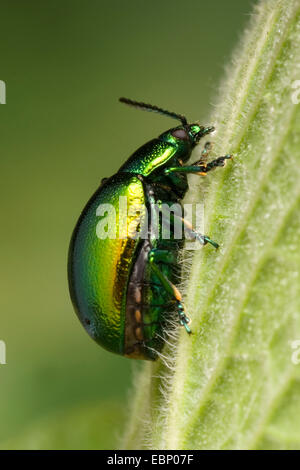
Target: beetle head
185, 136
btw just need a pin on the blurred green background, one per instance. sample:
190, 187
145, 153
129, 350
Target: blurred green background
65, 64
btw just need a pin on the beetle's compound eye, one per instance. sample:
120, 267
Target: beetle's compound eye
180, 134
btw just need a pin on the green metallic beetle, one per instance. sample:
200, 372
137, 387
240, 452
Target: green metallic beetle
123, 287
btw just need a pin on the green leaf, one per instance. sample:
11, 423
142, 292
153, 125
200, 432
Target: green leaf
233, 383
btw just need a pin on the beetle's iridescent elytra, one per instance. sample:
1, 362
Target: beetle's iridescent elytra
124, 289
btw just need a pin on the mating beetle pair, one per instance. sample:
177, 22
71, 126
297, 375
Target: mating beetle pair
124, 289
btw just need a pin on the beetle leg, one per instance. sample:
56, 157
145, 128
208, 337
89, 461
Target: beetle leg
220, 161
203, 239
205, 152
170, 288
200, 167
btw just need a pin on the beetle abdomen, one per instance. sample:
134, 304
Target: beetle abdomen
99, 267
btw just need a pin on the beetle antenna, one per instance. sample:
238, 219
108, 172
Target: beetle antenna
151, 107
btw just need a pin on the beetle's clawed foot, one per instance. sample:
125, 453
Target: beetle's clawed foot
184, 320
203, 239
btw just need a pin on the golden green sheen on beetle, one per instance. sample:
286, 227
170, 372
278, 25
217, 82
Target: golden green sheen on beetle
123, 285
